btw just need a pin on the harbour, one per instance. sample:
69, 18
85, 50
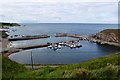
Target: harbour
61, 39
58, 49
54, 46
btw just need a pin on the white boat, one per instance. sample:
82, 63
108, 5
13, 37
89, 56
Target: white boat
78, 45
61, 43
50, 46
59, 46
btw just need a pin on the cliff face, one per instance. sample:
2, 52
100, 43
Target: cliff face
109, 35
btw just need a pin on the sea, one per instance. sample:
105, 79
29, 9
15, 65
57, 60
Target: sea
64, 55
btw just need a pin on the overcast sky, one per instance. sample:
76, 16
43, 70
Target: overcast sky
60, 11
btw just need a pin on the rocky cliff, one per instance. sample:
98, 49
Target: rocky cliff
109, 35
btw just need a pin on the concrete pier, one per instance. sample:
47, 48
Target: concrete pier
34, 46
70, 42
26, 37
18, 49
70, 35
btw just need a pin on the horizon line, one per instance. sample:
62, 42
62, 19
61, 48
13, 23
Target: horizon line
63, 22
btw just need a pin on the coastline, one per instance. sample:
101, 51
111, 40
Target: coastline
90, 38
109, 63
80, 37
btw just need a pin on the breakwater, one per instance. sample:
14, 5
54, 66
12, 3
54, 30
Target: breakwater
54, 46
81, 37
89, 38
26, 37
68, 43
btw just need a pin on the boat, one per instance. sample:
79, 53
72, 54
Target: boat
71, 44
59, 46
50, 46
78, 45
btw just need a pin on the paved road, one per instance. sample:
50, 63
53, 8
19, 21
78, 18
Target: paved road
3, 44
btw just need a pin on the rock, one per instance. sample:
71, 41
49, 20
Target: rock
109, 37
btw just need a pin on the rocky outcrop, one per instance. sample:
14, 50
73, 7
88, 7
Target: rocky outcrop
8, 24
108, 35
3, 34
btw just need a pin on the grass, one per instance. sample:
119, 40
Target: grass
103, 67
116, 31
11, 68
0, 66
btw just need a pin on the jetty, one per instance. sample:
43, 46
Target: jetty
12, 50
26, 37
89, 38
54, 46
81, 37
33, 46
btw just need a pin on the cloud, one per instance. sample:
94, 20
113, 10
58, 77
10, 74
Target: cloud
35, 11
55, 1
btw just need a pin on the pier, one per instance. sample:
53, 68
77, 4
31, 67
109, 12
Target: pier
81, 37
33, 46
12, 50
54, 46
69, 35
26, 37
89, 38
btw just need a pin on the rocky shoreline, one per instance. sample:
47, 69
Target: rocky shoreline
108, 36
105, 37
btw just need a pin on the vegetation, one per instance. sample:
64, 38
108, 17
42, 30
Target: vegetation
9, 24
0, 66
11, 68
103, 68
116, 31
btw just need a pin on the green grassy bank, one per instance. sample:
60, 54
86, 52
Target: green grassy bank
103, 68
10, 68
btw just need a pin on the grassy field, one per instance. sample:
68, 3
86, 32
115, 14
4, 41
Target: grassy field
103, 68
10, 68
116, 31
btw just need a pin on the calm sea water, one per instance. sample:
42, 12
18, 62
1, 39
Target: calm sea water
64, 55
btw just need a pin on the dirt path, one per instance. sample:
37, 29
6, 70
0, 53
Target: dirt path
36, 67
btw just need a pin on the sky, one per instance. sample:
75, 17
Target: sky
59, 11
